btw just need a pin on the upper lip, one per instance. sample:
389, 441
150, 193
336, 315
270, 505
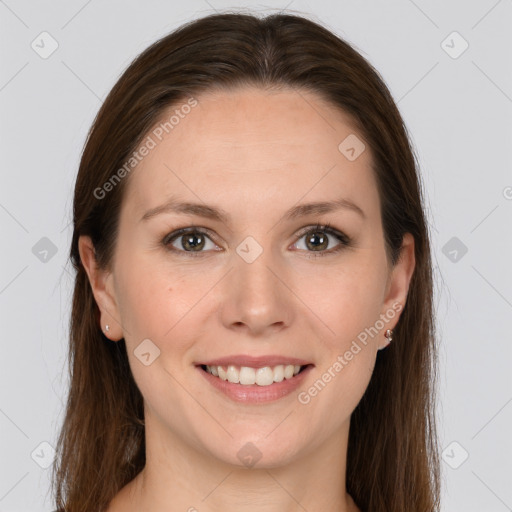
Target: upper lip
254, 362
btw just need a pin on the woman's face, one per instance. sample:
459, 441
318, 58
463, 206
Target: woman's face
257, 283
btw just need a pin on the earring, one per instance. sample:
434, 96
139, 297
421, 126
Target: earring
389, 335
107, 328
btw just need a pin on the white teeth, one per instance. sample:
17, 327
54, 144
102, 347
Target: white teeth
288, 371
233, 374
261, 376
279, 373
264, 376
247, 376
222, 373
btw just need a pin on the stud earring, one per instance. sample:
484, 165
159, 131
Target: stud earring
389, 335
107, 327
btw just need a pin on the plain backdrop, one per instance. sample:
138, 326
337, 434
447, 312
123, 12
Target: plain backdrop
448, 66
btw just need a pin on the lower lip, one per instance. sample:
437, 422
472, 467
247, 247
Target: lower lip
254, 393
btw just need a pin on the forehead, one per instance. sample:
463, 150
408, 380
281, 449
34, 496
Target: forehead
253, 147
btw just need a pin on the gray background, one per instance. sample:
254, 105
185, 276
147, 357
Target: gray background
458, 108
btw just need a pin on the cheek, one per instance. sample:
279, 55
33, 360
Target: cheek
345, 300
151, 300
158, 306
350, 304
339, 389
165, 304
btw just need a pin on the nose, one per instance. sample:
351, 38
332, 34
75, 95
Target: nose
257, 298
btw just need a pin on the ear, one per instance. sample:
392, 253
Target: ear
398, 282
103, 290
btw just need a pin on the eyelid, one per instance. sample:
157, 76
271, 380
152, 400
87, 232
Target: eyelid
343, 239
184, 231
327, 228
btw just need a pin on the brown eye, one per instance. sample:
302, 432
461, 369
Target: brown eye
193, 241
318, 238
187, 240
317, 241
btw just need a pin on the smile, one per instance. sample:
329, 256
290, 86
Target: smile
254, 384
247, 376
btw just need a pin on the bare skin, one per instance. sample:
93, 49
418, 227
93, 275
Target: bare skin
255, 154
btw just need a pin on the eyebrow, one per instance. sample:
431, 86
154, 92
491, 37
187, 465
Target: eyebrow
218, 214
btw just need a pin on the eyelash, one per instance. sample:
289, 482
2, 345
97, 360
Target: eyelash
341, 237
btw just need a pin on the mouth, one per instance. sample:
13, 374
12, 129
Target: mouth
254, 376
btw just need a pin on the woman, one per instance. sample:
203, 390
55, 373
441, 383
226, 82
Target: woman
252, 323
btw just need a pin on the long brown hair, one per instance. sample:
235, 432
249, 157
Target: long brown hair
392, 460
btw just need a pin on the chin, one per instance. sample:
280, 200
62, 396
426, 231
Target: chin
257, 452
